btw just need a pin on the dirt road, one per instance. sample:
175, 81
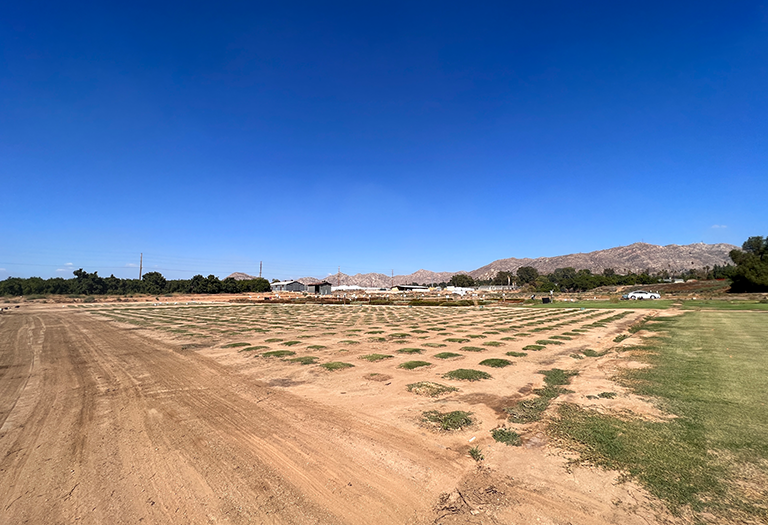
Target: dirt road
103, 426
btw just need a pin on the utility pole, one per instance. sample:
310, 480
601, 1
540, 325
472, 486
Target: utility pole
260, 263
141, 265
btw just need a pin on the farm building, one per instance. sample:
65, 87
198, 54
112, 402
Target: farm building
320, 288
288, 286
410, 288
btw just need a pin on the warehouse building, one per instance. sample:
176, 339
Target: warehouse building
319, 288
288, 286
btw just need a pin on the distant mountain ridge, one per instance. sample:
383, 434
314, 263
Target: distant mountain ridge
635, 258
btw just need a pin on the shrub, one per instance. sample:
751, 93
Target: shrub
291, 343
496, 363
516, 354
493, 343
607, 395
336, 365
410, 351
252, 348
620, 338
455, 420
304, 360
434, 345
375, 357
235, 345
316, 347
410, 365
471, 349
591, 353
457, 340
278, 353
534, 348
446, 355
475, 453
428, 388
467, 374
548, 342
506, 436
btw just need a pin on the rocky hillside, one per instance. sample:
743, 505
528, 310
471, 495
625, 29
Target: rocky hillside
636, 258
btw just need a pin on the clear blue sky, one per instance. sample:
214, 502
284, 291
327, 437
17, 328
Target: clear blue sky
375, 136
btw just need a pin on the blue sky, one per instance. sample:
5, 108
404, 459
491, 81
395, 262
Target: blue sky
374, 136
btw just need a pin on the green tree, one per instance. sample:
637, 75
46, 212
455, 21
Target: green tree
527, 274
154, 283
751, 272
504, 279
88, 283
462, 280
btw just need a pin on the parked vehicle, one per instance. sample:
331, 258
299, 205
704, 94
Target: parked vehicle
642, 294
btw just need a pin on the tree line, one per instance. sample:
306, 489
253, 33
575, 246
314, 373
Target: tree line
152, 283
572, 280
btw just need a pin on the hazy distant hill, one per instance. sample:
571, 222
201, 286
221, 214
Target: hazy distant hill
240, 276
635, 258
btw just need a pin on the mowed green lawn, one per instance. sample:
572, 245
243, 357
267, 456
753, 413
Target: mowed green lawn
710, 369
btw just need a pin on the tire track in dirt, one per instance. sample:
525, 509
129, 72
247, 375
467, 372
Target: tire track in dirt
126, 429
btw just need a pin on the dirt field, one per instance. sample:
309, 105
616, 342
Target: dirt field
171, 414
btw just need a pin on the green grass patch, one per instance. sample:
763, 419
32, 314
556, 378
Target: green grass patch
534, 348
399, 335
375, 332
472, 349
375, 357
476, 454
493, 343
455, 420
457, 340
593, 353
430, 389
447, 355
434, 345
561, 337
516, 354
508, 338
273, 340
252, 348
607, 395
530, 410
316, 347
467, 374
304, 360
710, 369
349, 342
410, 365
278, 353
496, 363
548, 342
410, 351
506, 436
620, 338
336, 365
236, 345
291, 343
477, 336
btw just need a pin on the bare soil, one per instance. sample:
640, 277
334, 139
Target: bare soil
147, 415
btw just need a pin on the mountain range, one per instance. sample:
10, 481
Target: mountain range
636, 258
